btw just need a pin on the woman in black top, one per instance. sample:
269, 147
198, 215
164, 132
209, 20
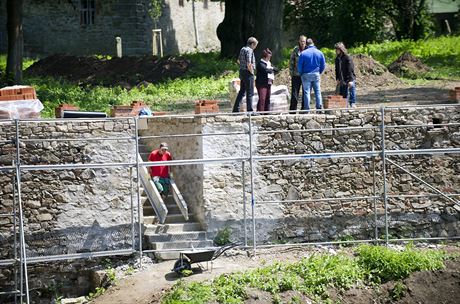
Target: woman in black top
264, 80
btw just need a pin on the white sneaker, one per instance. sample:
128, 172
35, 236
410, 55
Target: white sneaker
353, 105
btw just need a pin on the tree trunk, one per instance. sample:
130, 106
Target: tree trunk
245, 18
15, 41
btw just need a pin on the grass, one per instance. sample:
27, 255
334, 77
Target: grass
209, 75
312, 276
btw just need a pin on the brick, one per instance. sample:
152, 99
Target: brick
335, 102
199, 109
454, 95
59, 110
17, 93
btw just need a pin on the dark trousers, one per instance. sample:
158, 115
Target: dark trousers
264, 92
246, 87
296, 84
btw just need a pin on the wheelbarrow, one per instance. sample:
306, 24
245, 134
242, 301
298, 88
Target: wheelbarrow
189, 257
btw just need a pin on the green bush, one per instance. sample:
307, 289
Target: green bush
383, 264
223, 236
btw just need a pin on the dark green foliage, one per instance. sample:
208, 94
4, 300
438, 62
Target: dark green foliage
359, 21
223, 236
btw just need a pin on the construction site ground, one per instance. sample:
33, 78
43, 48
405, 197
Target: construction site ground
150, 284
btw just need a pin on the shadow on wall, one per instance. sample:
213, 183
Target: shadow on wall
170, 45
292, 229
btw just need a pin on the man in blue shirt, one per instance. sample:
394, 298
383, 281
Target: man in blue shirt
311, 64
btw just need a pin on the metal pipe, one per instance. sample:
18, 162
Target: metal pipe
138, 177
317, 130
244, 205
192, 135
131, 203
15, 238
251, 163
434, 126
423, 182
384, 172
83, 255
420, 195
78, 139
374, 191
327, 199
22, 246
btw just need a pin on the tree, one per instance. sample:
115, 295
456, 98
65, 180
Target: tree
410, 18
245, 18
15, 41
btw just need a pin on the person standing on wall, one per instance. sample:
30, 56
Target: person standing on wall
160, 174
345, 74
247, 62
264, 80
311, 65
296, 81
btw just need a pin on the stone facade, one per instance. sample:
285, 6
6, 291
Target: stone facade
70, 210
329, 188
52, 27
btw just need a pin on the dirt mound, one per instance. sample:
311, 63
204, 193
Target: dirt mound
407, 65
369, 73
125, 71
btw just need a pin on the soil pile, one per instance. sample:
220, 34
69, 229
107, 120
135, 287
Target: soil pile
126, 71
407, 65
369, 73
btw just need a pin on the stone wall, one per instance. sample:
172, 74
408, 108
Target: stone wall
322, 199
70, 210
52, 27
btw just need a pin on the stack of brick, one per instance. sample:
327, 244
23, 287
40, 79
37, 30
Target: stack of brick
59, 110
19, 102
132, 110
17, 93
335, 102
206, 106
454, 95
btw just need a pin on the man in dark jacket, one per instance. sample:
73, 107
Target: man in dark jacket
345, 74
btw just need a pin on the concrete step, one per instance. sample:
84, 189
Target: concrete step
174, 218
171, 208
181, 245
172, 228
176, 237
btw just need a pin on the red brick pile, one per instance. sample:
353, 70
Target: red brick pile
59, 110
17, 93
206, 106
335, 102
131, 110
19, 102
454, 95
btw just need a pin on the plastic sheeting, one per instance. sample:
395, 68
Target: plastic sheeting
20, 109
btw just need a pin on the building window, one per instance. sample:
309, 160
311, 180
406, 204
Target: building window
87, 12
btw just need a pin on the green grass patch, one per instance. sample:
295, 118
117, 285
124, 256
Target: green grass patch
312, 276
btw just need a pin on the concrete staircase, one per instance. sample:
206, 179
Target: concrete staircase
175, 234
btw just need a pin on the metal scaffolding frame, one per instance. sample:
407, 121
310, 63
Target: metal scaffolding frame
21, 260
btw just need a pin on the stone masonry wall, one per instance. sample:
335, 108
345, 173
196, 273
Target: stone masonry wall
330, 189
69, 210
52, 27
315, 179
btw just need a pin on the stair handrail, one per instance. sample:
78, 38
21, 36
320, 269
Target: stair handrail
153, 195
179, 199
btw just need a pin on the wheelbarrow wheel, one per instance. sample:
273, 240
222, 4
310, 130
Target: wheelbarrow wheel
181, 265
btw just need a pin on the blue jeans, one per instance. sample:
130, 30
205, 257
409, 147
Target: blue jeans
246, 87
309, 80
350, 94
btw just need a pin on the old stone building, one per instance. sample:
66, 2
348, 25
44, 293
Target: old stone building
86, 27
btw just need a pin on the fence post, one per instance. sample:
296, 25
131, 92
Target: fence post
384, 171
374, 191
252, 186
136, 137
244, 205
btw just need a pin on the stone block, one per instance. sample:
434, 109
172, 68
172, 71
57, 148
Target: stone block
335, 102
